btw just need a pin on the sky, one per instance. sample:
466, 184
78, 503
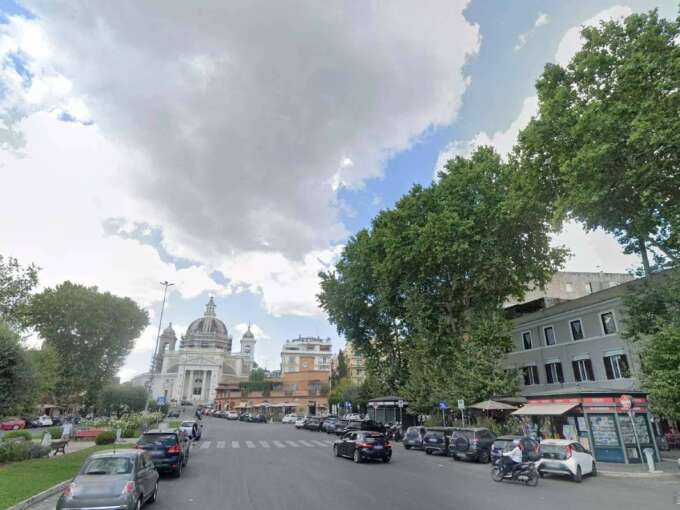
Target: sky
232, 148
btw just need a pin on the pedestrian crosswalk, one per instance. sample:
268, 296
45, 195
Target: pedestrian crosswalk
262, 444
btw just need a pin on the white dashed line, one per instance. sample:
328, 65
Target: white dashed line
220, 444
279, 444
205, 445
250, 444
293, 444
305, 443
264, 444
234, 444
320, 443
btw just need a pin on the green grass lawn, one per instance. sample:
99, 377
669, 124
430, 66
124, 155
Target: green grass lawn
173, 424
21, 480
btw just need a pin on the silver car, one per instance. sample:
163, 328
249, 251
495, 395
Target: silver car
121, 480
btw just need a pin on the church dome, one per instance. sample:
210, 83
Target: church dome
248, 333
208, 331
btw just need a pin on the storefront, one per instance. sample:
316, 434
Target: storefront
390, 410
614, 426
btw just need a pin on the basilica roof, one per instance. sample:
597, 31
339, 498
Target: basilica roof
208, 325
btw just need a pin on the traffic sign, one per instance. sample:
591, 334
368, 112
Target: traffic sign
400, 403
348, 404
160, 401
461, 404
443, 404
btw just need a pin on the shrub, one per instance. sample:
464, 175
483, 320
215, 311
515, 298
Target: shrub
11, 451
105, 437
173, 424
25, 434
131, 431
56, 432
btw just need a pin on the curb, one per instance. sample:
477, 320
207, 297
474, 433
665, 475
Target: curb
624, 474
41, 496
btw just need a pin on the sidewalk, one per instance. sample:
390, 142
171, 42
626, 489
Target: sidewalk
667, 468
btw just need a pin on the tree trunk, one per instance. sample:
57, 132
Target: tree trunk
644, 255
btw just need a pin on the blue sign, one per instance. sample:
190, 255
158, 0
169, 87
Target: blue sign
160, 401
348, 405
443, 404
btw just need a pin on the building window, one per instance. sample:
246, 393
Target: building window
616, 366
549, 334
553, 372
530, 375
608, 323
576, 329
526, 339
583, 370
569, 287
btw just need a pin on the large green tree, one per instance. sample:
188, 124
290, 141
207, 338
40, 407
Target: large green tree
411, 291
17, 376
92, 332
653, 324
121, 398
16, 284
605, 146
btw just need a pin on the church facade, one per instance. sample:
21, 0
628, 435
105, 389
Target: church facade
203, 359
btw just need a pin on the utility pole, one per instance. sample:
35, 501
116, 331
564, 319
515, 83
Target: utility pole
165, 285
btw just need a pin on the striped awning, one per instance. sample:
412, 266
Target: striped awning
544, 409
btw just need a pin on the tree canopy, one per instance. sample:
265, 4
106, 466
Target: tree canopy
409, 292
17, 376
121, 398
92, 332
16, 284
605, 146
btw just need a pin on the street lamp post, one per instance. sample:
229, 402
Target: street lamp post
165, 285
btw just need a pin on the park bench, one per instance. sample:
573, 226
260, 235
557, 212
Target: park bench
88, 434
59, 446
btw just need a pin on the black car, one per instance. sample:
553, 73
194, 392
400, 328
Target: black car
351, 425
173, 413
313, 423
340, 427
471, 444
363, 445
328, 424
414, 437
169, 449
258, 418
436, 440
531, 448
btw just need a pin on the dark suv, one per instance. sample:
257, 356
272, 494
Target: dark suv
313, 423
361, 445
436, 440
414, 437
471, 444
531, 449
169, 449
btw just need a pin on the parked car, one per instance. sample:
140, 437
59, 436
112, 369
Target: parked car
436, 440
57, 421
186, 403
565, 457
173, 413
231, 415
340, 426
243, 417
531, 447
12, 423
258, 418
169, 449
363, 445
289, 418
313, 423
328, 424
471, 444
300, 422
414, 437
353, 416
360, 425
42, 421
125, 479
192, 428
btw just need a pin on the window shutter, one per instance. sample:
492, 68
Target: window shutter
534, 369
548, 374
560, 375
608, 367
577, 374
623, 360
589, 369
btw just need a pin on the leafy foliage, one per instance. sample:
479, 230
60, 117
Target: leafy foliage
653, 324
121, 398
16, 284
15, 451
105, 437
604, 147
423, 289
17, 434
17, 377
92, 333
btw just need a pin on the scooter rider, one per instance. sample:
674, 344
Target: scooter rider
513, 458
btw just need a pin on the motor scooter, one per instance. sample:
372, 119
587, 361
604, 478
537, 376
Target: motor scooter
526, 472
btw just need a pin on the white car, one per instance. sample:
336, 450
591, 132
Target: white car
354, 416
300, 422
565, 457
231, 415
187, 427
44, 421
289, 418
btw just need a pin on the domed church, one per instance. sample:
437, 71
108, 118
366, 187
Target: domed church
203, 360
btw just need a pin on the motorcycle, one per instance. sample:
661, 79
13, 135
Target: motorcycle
394, 432
526, 472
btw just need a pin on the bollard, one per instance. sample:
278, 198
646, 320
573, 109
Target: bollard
649, 455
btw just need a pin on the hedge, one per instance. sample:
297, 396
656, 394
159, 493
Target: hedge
105, 437
24, 434
15, 451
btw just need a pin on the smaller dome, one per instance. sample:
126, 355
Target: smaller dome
248, 333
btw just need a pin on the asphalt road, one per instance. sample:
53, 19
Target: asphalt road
269, 467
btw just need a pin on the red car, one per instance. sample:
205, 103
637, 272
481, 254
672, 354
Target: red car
12, 424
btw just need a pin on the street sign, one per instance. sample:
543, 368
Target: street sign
160, 401
443, 404
626, 402
461, 404
348, 404
400, 403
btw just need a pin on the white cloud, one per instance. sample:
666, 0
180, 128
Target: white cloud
572, 41
541, 20
127, 373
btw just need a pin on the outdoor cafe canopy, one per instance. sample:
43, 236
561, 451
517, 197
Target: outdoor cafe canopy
492, 405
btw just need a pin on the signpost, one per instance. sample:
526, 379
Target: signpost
400, 403
443, 406
626, 402
461, 406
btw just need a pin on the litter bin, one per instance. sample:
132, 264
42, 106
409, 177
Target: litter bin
649, 455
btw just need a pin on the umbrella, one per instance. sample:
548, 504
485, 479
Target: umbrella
492, 405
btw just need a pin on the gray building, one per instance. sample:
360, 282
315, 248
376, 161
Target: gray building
574, 342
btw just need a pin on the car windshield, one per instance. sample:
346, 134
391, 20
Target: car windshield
159, 439
356, 424
554, 451
435, 433
188, 423
467, 433
107, 466
504, 444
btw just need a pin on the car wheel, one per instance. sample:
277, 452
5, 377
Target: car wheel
408, 447
579, 475
428, 451
336, 451
154, 495
138, 505
357, 456
484, 457
593, 472
532, 479
386, 460
178, 471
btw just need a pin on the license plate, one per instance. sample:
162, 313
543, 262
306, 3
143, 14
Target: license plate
378, 447
432, 440
157, 453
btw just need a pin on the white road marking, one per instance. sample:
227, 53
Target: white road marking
305, 443
279, 444
205, 445
250, 444
234, 444
264, 444
220, 444
320, 443
328, 441
293, 444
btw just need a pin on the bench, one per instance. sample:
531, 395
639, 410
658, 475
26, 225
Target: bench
88, 434
59, 446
